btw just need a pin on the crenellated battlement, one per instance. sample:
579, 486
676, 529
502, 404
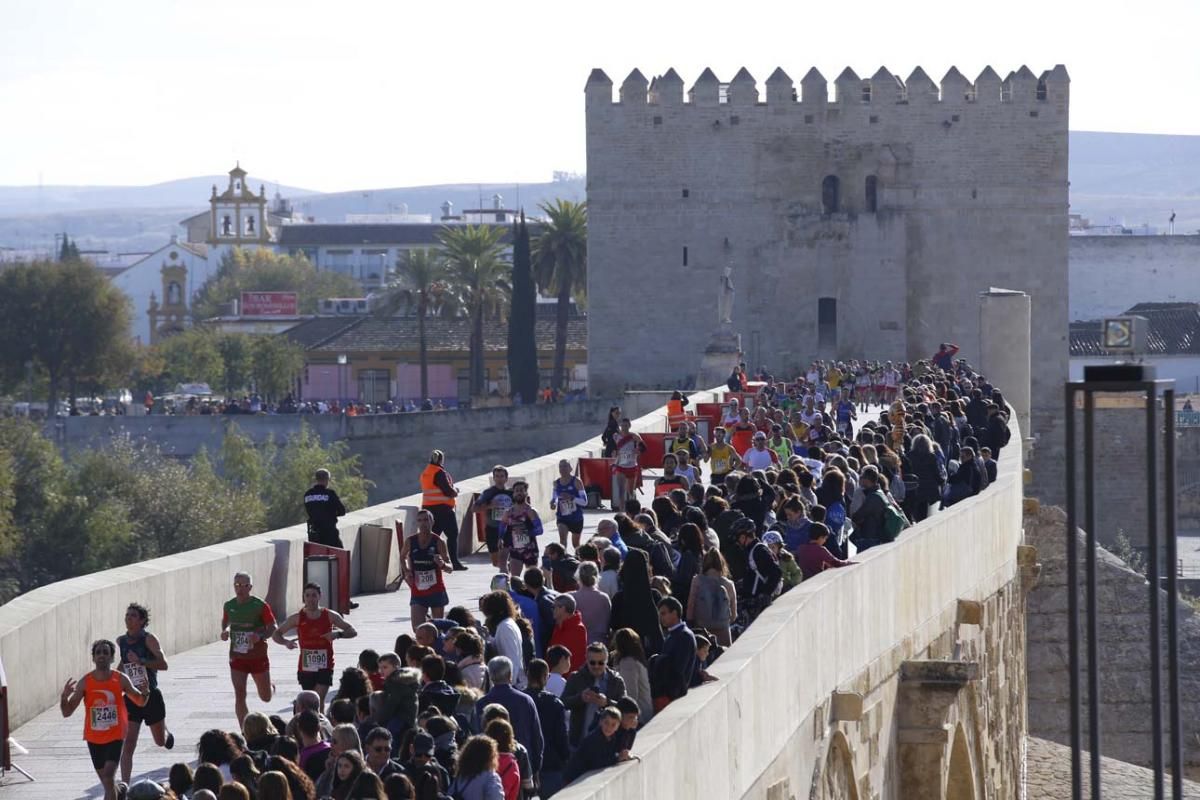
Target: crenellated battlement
883, 89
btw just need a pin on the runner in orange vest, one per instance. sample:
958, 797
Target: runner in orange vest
437, 495
106, 722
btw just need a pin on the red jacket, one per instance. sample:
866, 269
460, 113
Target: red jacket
571, 633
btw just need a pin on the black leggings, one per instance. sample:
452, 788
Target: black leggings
445, 521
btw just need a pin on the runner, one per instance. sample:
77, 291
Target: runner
314, 625
246, 623
845, 416
780, 444
141, 660
731, 412
493, 502
759, 456
670, 479
567, 501
891, 383
627, 476
723, 459
107, 720
682, 442
423, 561
438, 493
520, 528
686, 469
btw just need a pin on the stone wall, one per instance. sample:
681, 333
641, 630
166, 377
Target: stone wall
393, 447
901, 677
1123, 597
1109, 274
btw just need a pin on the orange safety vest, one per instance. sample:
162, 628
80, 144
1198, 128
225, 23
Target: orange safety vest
431, 494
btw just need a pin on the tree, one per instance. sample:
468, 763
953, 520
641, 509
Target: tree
479, 279
420, 284
292, 470
66, 318
192, 356
523, 376
264, 271
560, 263
275, 363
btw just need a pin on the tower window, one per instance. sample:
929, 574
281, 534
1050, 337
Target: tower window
829, 195
174, 294
685, 255
685, 194
872, 194
827, 322
250, 225
1041, 89
227, 226
237, 186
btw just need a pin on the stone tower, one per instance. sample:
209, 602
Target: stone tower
171, 315
865, 224
238, 217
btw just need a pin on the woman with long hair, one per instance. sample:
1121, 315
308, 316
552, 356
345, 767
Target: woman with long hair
500, 615
273, 785
691, 552
301, 785
506, 762
476, 777
612, 426
348, 766
628, 658
636, 604
705, 607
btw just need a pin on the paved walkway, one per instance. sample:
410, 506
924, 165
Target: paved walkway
199, 696
1049, 775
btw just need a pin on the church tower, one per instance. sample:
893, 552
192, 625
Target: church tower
170, 316
238, 215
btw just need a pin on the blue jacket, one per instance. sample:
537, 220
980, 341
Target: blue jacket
553, 716
523, 714
671, 670
529, 611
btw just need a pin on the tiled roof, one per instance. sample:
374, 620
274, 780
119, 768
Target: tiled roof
387, 334
313, 332
371, 234
1173, 329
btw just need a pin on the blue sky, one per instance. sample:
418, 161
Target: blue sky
371, 93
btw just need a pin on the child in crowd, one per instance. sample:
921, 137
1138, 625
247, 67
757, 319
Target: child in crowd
368, 662
559, 659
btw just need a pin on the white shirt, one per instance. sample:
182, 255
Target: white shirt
508, 643
555, 684
757, 459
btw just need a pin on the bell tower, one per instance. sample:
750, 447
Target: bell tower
238, 214
170, 316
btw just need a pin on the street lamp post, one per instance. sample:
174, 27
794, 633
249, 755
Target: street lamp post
342, 360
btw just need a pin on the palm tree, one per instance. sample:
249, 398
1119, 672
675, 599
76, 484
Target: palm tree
419, 283
560, 264
480, 280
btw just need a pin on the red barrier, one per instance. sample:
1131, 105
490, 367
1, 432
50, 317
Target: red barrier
596, 472
656, 448
343, 561
712, 411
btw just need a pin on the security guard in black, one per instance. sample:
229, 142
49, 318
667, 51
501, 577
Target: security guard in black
324, 507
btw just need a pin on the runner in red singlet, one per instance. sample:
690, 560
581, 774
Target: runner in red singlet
423, 561
627, 475
315, 628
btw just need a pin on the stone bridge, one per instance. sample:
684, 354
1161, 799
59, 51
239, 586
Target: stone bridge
901, 677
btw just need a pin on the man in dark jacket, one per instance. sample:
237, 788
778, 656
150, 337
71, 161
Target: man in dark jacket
977, 411
996, 435
323, 507
870, 519
434, 689
535, 587
522, 712
762, 570
553, 716
671, 670
589, 690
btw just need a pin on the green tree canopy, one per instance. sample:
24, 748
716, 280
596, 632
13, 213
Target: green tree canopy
421, 282
68, 320
265, 271
479, 280
560, 264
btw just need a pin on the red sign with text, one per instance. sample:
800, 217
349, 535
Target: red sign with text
269, 304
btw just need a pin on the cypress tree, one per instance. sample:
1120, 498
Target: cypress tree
522, 341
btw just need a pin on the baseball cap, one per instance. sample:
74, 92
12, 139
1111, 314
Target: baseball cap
772, 537
422, 744
144, 790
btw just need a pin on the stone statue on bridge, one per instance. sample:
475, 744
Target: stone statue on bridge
725, 298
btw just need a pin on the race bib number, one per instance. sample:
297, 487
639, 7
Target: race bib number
103, 718
137, 676
521, 540
314, 660
497, 514
426, 579
626, 457
720, 466
242, 642
566, 506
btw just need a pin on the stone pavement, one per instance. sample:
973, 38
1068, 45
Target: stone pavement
199, 696
1049, 775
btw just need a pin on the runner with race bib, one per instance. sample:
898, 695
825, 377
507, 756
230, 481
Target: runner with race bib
106, 722
493, 502
246, 623
141, 660
567, 500
424, 559
315, 631
519, 530
627, 475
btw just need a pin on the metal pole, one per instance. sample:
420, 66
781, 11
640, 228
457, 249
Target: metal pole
1172, 599
1093, 630
1152, 541
1073, 603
